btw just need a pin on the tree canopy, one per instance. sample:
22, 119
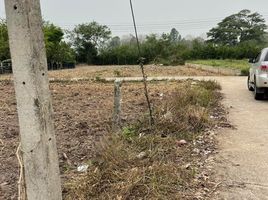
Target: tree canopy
175, 35
87, 39
57, 49
238, 28
4, 45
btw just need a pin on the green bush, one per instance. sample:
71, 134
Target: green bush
158, 50
245, 72
172, 61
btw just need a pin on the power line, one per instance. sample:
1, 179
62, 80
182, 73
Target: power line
184, 21
157, 27
167, 22
161, 26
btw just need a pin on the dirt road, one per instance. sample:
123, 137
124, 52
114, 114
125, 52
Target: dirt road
243, 158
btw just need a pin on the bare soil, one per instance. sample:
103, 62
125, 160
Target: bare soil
83, 113
93, 72
128, 71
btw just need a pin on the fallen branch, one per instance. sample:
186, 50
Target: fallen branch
21, 192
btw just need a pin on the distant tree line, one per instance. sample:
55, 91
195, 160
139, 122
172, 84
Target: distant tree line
57, 49
238, 36
4, 45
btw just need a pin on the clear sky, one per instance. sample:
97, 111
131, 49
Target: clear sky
189, 17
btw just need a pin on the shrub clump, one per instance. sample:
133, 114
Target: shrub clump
170, 61
245, 72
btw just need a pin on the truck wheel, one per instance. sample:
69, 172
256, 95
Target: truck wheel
257, 94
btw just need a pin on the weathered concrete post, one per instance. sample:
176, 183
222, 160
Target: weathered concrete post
38, 143
117, 104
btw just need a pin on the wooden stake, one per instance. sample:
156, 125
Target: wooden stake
38, 143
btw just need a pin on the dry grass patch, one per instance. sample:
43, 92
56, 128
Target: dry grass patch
100, 72
143, 163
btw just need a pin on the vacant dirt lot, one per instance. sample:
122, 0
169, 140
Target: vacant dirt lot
83, 112
95, 72
128, 71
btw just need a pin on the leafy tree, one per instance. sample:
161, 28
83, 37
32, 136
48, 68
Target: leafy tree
57, 50
175, 37
115, 42
128, 39
87, 39
197, 48
53, 36
4, 45
265, 38
66, 53
238, 28
152, 48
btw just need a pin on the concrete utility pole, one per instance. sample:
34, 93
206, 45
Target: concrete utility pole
38, 143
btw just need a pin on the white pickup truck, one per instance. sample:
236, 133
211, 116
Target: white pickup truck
258, 75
